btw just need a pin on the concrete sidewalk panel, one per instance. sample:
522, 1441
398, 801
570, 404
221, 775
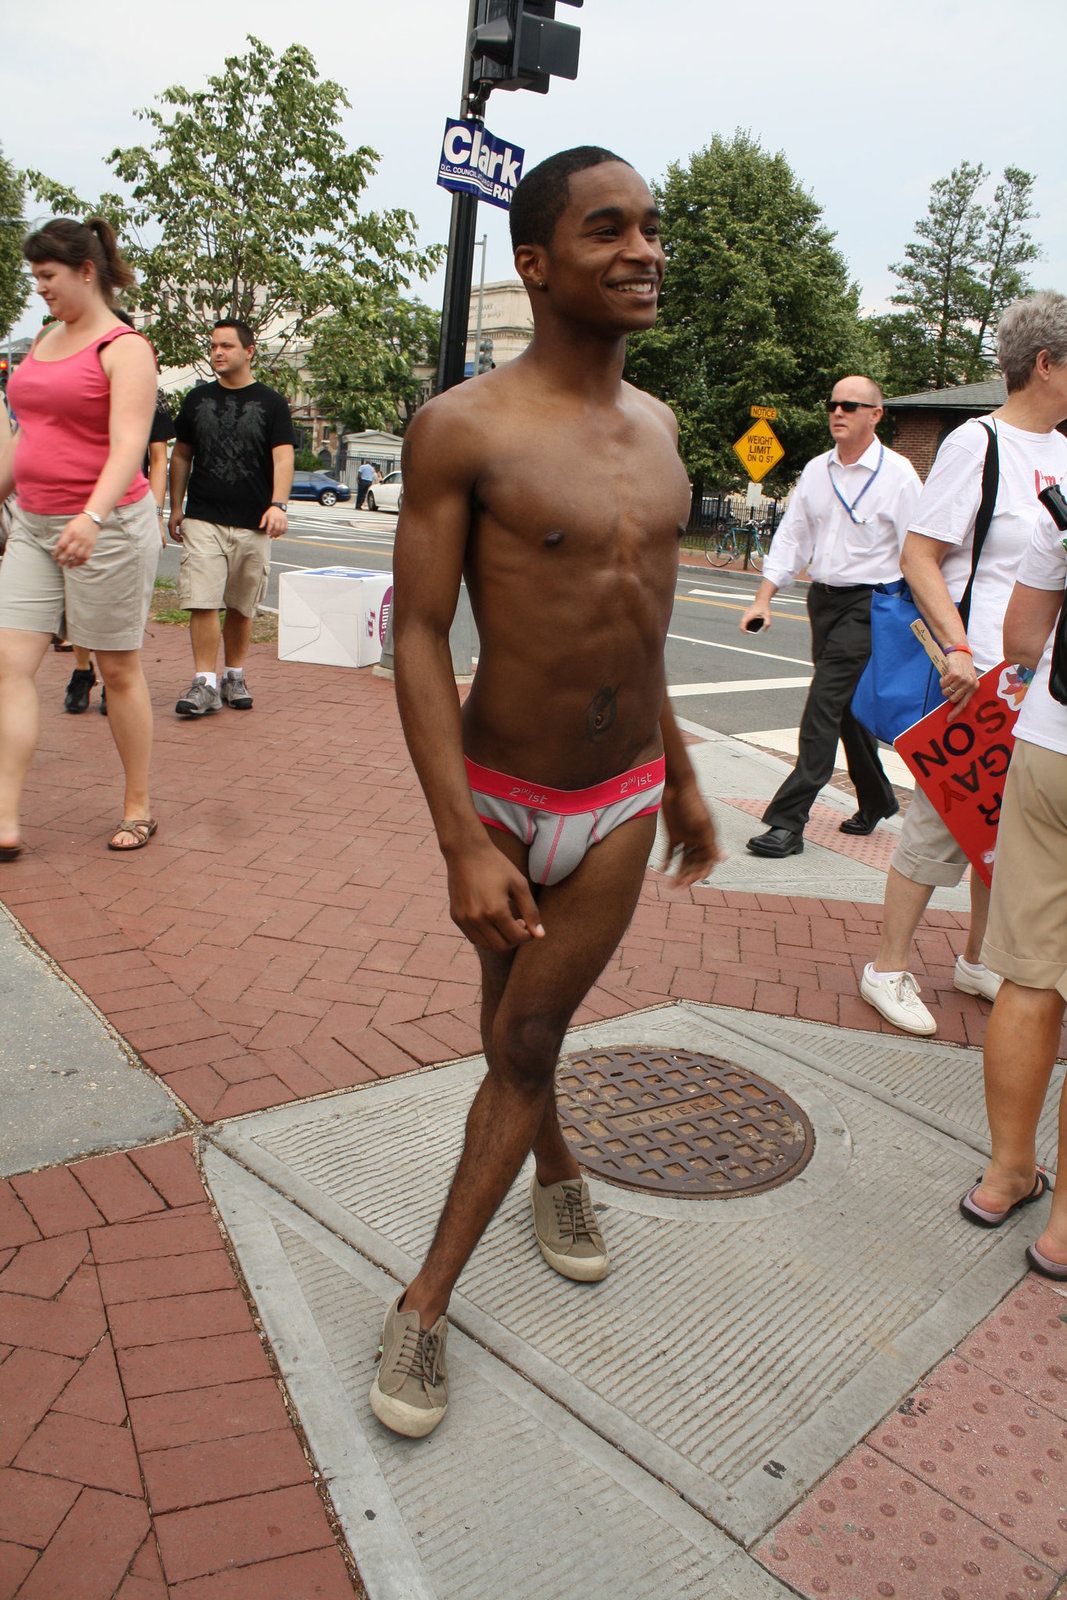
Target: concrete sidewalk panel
68, 1084
512, 1495
717, 1376
729, 770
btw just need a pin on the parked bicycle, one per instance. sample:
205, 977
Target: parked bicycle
729, 541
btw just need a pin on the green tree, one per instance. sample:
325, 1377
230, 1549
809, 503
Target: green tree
362, 360
14, 280
1006, 249
966, 263
246, 204
757, 309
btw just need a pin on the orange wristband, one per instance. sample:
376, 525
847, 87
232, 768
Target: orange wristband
964, 647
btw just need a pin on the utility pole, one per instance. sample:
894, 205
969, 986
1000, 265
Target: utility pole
455, 312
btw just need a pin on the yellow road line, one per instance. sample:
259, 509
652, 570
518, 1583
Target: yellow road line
728, 605
322, 544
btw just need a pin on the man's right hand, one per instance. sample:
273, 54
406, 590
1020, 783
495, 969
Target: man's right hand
758, 608
490, 900
175, 526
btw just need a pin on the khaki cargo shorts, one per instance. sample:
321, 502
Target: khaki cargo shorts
927, 852
1026, 935
102, 605
222, 566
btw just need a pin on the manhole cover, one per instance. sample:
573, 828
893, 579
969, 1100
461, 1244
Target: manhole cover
680, 1123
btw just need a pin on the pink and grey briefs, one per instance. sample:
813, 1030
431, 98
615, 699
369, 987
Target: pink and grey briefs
560, 825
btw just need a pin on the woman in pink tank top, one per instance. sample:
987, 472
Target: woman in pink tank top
84, 544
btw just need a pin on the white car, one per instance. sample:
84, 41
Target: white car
387, 495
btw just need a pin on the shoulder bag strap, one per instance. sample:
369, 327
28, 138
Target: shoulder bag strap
986, 506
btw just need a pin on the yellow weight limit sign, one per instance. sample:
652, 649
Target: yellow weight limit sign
759, 449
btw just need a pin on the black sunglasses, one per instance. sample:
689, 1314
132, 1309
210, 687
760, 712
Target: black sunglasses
849, 405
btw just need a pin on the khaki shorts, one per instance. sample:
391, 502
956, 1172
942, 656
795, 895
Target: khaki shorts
222, 566
102, 605
1026, 936
927, 852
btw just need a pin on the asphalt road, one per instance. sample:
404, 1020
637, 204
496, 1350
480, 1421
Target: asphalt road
719, 678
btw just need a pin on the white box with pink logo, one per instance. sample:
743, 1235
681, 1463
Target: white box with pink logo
335, 616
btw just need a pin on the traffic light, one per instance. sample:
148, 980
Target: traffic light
5, 367
518, 44
485, 362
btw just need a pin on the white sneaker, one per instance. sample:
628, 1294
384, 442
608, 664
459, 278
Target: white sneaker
898, 1000
976, 980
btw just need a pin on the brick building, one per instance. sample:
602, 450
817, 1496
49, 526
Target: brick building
920, 421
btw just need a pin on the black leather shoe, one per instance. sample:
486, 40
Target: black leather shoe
777, 843
867, 821
76, 698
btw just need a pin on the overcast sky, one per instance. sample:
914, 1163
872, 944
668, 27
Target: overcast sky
870, 103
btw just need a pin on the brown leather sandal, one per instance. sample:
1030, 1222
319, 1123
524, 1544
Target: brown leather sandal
9, 852
142, 829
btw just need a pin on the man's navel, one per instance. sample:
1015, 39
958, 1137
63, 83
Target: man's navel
554, 538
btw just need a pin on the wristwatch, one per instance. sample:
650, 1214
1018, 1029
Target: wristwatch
283, 505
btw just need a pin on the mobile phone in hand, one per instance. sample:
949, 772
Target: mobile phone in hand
754, 624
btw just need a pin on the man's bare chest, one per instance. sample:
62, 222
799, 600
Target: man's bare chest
588, 490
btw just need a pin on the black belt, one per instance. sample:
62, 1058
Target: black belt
844, 588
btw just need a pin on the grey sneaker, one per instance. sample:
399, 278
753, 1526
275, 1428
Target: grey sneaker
410, 1393
234, 692
198, 699
567, 1230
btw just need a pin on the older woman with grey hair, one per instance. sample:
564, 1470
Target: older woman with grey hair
936, 561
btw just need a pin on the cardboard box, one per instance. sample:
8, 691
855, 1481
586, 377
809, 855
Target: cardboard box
336, 616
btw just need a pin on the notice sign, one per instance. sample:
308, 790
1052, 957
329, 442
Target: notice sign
759, 449
473, 162
961, 765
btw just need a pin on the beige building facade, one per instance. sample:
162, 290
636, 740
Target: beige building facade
506, 319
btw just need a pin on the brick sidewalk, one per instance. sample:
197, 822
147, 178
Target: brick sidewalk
285, 934
145, 1446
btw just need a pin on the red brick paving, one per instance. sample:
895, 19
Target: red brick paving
960, 1492
145, 1447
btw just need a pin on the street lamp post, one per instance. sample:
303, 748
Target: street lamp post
482, 242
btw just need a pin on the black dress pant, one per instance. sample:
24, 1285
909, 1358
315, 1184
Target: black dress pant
840, 647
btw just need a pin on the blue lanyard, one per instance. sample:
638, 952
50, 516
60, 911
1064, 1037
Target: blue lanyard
851, 509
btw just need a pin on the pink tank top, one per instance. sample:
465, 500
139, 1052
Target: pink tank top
62, 409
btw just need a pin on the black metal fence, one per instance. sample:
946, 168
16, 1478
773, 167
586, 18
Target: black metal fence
711, 509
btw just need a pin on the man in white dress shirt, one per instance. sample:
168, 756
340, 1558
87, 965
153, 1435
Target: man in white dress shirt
845, 523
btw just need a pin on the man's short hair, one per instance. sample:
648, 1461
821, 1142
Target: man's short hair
242, 330
1026, 328
543, 193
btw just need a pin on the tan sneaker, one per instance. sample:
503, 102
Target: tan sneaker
567, 1230
410, 1393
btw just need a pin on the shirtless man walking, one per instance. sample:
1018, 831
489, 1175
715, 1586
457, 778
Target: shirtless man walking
556, 489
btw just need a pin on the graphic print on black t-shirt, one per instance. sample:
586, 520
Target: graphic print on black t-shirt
232, 433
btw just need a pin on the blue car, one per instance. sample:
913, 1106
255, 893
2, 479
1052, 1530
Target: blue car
318, 486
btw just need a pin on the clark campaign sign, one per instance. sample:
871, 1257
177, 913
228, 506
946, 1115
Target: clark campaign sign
961, 765
473, 162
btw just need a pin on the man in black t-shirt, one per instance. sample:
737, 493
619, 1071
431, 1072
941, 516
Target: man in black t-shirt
237, 436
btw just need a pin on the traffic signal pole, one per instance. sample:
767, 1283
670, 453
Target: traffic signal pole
459, 268
518, 45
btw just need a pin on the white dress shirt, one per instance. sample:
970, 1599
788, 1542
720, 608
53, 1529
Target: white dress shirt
818, 533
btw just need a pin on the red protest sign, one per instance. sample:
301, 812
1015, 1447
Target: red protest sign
960, 766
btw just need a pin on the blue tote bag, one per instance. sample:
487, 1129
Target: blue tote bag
900, 684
